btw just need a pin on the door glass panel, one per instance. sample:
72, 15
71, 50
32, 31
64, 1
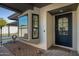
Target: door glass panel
60, 24
60, 20
63, 26
65, 19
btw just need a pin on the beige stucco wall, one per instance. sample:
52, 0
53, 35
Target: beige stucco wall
50, 30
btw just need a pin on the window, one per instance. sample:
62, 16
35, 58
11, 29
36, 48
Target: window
23, 22
35, 26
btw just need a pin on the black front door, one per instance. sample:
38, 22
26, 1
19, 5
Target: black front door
63, 29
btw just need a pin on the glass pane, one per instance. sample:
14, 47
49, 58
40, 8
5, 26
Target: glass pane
35, 26
35, 18
63, 26
23, 20
60, 20
60, 24
35, 21
23, 24
59, 27
35, 33
65, 19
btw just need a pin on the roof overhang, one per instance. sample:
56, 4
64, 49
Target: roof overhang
13, 24
22, 7
14, 16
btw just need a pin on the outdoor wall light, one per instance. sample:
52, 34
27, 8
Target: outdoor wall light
60, 10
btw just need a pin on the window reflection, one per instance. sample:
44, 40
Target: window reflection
35, 26
63, 26
23, 26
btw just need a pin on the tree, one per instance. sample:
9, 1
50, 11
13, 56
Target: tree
2, 24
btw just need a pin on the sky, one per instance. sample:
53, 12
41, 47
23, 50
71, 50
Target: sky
4, 13
23, 20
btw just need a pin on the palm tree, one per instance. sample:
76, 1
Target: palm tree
2, 24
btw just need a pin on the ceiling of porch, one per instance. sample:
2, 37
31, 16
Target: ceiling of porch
21, 7
64, 9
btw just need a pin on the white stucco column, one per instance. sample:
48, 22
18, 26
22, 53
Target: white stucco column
29, 25
78, 28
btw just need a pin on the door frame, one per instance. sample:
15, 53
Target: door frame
71, 48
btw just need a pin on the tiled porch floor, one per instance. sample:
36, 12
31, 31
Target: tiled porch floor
5, 52
58, 51
33, 51
21, 49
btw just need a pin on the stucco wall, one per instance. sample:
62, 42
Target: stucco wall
74, 30
50, 30
78, 28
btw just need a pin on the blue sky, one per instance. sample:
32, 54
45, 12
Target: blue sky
23, 20
4, 13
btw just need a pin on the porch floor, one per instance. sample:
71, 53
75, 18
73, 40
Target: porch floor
5, 52
21, 49
58, 51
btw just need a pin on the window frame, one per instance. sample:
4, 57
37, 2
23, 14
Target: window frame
37, 28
